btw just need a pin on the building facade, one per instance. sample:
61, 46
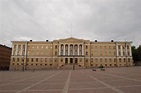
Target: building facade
5, 55
69, 53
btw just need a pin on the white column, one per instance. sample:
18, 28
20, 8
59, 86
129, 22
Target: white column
21, 49
121, 50
78, 50
25, 48
59, 49
68, 49
64, 49
73, 50
130, 51
125, 49
16, 49
13, 49
117, 49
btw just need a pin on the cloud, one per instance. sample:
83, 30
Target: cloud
54, 19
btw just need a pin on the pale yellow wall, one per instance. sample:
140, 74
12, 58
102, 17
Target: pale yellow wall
47, 53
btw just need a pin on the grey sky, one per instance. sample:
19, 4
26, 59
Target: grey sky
52, 19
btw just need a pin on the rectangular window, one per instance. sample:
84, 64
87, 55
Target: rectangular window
91, 60
55, 46
119, 59
45, 59
31, 59
61, 60
55, 53
86, 60
36, 59
100, 59
86, 47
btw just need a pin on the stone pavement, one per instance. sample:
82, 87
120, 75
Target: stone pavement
112, 80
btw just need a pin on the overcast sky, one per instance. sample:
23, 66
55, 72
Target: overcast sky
103, 20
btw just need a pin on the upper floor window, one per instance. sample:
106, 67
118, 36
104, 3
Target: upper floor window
86, 53
55, 46
86, 47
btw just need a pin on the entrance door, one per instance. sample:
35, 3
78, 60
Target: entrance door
71, 60
75, 60
66, 60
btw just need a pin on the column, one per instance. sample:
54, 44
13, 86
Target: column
16, 49
25, 48
78, 49
117, 49
64, 49
21, 49
13, 49
68, 49
73, 49
59, 49
130, 50
121, 49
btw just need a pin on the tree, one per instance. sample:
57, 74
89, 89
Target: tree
139, 53
136, 53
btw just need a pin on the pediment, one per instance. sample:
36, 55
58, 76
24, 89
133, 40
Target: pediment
71, 40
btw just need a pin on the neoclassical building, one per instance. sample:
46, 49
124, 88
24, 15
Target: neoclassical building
69, 53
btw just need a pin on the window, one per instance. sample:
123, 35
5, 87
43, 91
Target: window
119, 53
17, 59
86, 47
100, 59
86, 53
100, 47
31, 59
13, 59
61, 60
91, 60
40, 59
45, 59
128, 59
55, 46
127, 47
27, 59
55, 53
119, 59
110, 60
105, 60
124, 60
114, 60
86, 60
96, 59
36, 59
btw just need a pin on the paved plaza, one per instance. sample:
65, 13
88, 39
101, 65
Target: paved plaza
112, 80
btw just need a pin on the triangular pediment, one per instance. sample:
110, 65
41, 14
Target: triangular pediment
71, 40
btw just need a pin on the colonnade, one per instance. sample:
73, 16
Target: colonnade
121, 50
71, 49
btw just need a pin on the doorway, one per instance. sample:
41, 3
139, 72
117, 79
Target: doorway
66, 60
76, 61
71, 60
